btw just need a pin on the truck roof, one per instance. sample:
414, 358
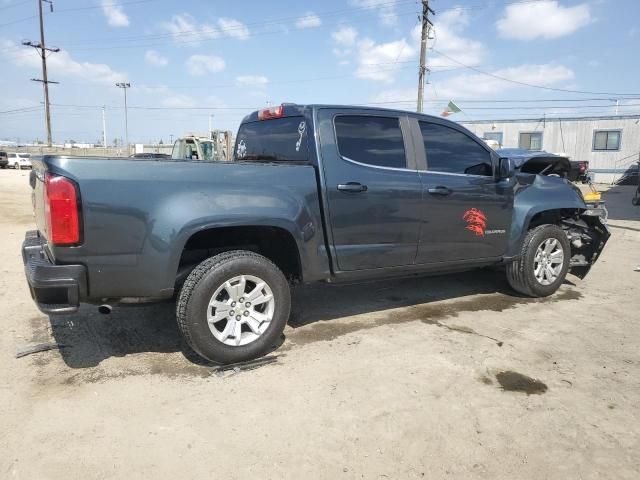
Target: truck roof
294, 109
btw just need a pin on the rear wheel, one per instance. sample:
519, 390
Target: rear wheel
233, 307
16, 166
543, 263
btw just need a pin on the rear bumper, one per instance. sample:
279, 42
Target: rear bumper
54, 288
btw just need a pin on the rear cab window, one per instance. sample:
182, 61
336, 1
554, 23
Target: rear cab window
280, 140
372, 140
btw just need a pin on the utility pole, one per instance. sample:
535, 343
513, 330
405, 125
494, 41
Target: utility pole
422, 72
42, 51
124, 87
104, 129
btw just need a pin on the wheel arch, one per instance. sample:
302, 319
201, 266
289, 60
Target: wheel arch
274, 241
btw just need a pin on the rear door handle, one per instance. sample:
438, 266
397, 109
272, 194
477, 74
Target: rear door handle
353, 187
440, 191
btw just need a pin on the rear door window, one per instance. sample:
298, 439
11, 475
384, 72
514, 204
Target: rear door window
451, 151
372, 140
274, 140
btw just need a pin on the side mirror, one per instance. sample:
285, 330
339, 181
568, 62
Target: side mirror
506, 168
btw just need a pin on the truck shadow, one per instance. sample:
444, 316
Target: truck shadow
92, 337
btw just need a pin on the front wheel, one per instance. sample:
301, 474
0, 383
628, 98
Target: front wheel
233, 307
17, 166
543, 262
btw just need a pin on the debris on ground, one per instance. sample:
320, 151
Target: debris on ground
245, 366
41, 347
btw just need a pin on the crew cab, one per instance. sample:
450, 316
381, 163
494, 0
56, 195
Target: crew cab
314, 193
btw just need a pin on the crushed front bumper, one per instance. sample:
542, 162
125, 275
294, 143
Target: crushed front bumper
54, 288
588, 236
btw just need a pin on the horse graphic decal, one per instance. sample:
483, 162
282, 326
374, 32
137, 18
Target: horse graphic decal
476, 221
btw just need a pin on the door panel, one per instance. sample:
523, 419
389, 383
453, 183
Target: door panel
466, 210
373, 211
472, 221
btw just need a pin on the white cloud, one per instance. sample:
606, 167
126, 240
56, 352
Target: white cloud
233, 28
252, 80
476, 85
385, 9
177, 100
379, 61
543, 19
448, 39
63, 65
310, 20
479, 86
154, 58
345, 36
201, 64
186, 29
114, 13
345, 39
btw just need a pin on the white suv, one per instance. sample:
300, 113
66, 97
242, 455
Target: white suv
19, 160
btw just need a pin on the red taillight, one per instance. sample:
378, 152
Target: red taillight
272, 112
61, 207
582, 166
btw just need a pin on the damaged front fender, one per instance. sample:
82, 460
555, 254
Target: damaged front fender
588, 235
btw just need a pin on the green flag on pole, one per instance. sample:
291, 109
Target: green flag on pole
452, 107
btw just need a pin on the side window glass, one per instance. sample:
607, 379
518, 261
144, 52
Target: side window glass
451, 151
372, 140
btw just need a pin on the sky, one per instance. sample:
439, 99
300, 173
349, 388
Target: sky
192, 62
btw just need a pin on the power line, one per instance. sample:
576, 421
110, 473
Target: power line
555, 89
388, 102
23, 19
16, 4
273, 22
114, 4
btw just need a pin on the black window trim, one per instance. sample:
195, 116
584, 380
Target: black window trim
607, 130
404, 131
473, 137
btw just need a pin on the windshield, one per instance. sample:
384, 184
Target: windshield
25, 155
277, 140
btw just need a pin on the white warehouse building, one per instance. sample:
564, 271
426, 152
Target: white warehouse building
611, 144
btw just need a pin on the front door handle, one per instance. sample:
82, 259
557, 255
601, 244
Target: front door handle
440, 191
353, 187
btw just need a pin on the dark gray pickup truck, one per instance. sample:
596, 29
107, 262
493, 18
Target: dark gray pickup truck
315, 193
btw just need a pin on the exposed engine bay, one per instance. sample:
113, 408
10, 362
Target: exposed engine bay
587, 234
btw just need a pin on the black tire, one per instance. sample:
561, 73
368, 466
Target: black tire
202, 283
636, 199
520, 272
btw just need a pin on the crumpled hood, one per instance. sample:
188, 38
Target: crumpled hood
544, 163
